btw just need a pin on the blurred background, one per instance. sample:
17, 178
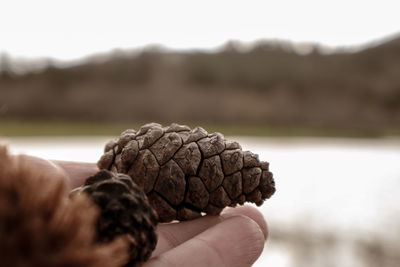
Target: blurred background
313, 87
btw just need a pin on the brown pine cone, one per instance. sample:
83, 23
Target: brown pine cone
187, 172
124, 211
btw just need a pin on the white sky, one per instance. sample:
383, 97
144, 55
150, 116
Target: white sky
73, 29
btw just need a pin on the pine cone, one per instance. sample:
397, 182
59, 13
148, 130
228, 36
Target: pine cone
125, 211
187, 172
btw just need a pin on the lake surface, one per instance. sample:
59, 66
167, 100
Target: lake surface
336, 200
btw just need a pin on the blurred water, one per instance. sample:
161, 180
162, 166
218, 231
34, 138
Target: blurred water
333, 195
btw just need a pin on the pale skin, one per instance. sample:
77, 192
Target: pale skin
234, 238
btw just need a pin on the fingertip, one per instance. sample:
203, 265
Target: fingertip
251, 212
241, 241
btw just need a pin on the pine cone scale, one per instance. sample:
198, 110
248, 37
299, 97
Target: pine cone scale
165, 212
251, 179
144, 171
211, 172
189, 158
233, 185
197, 194
171, 183
232, 161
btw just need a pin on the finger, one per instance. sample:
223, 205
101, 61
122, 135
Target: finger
42, 165
174, 234
236, 241
77, 172
250, 212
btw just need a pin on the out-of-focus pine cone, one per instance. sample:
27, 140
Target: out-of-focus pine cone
186, 172
124, 211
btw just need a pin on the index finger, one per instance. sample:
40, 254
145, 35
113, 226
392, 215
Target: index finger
237, 241
173, 234
77, 172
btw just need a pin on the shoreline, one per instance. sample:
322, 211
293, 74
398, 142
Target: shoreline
25, 128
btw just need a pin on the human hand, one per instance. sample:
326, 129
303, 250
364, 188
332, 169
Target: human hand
234, 238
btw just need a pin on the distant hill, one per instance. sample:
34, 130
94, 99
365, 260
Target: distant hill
266, 85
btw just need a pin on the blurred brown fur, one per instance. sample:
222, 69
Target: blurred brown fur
41, 227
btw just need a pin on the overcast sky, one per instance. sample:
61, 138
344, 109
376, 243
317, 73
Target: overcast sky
73, 29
